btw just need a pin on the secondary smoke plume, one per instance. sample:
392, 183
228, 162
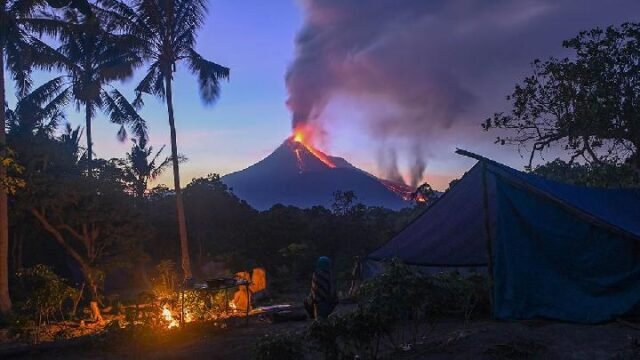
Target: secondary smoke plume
388, 162
438, 64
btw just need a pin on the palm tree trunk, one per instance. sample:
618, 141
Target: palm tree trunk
182, 225
5, 300
87, 118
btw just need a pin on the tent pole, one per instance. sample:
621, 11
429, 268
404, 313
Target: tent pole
487, 232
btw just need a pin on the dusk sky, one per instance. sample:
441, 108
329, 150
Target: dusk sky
381, 76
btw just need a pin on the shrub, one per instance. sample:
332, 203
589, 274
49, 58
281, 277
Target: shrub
203, 305
165, 282
455, 294
43, 294
400, 298
285, 346
397, 296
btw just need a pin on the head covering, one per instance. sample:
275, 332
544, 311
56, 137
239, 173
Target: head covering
323, 263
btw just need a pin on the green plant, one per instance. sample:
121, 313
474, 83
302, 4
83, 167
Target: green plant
453, 293
397, 305
285, 346
399, 295
202, 305
44, 294
42, 297
356, 334
166, 281
325, 336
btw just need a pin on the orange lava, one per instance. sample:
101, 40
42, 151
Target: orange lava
402, 190
303, 134
300, 162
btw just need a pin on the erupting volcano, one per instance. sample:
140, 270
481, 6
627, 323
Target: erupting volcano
299, 174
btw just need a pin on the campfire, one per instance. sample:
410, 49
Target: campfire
168, 316
214, 299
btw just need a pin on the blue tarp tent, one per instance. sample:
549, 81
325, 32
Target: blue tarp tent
557, 251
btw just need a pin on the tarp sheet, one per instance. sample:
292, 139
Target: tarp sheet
617, 207
450, 233
550, 263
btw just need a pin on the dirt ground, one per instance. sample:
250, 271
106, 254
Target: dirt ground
450, 339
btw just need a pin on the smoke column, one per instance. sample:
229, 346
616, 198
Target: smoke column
434, 61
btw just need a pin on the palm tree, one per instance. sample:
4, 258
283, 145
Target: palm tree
169, 29
20, 51
142, 165
94, 57
70, 139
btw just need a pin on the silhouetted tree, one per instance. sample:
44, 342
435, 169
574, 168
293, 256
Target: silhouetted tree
169, 28
588, 103
93, 58
142, 165
20, 51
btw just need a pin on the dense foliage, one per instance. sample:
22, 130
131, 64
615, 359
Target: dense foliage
609, 175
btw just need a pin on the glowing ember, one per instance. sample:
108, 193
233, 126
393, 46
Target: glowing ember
166, 313
421, 198
304, 134
187, 317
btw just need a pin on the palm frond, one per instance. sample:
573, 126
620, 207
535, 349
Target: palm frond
47, 58
157, 154
152, 84
49, 26
25, 8
47, 91
123, 113
189, 15
117, 59
160, 168
209, 76
19, 56
54, 109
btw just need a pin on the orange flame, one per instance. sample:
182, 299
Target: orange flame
304, 135
168, 317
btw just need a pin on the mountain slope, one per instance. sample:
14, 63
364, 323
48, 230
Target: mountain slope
300, 175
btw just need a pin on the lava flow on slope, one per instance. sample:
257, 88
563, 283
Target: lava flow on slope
303, 135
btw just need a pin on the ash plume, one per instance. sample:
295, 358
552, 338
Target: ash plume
418, 167
373, 47
438, 64
388, 165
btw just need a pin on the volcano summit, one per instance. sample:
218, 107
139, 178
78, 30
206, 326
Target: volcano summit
298, 174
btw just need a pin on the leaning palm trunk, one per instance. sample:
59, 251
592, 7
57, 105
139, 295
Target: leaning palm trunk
182, 224
5, 299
